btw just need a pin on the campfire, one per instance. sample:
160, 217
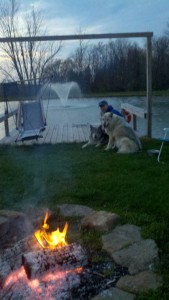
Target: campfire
53, 239
46, 266
49, 270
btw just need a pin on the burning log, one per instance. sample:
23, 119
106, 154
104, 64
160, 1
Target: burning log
62, 258
5, 270
11, 258
27, 244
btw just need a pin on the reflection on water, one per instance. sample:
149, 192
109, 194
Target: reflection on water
86, 110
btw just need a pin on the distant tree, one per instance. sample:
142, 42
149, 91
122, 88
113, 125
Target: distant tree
79, 55
98, 65
26, 60
103, 67
60, 70
53, 70
135, 65
161, 63
166, 32
118, 51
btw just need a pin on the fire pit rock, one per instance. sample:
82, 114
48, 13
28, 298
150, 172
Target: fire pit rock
128, 249
74, 210
138, 257
101, 221
121, 237
13, 227
140, 283
114, 294
4, 226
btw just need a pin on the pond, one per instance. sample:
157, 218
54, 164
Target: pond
86, 110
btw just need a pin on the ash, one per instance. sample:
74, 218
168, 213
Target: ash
67, 285
97, 277
94, 278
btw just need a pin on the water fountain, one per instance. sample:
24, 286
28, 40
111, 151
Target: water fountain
63, 104
65, 90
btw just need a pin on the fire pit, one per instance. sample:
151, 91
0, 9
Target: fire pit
45, 266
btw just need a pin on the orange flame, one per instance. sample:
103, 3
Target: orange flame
52, 239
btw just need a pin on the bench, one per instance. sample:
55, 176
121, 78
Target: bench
135, 111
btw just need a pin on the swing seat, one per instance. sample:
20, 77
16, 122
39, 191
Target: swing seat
163, 140
30, 120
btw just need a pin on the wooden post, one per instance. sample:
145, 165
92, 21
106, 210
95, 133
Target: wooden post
134, 122
5, 119
6, 124
149, 86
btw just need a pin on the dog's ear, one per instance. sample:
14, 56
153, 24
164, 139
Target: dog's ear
91, 126
111, 114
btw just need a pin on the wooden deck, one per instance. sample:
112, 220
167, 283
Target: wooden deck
74, 133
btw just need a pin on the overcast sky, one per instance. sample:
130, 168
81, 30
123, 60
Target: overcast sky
62, 17
102, 16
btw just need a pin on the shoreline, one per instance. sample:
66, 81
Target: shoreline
126, 94
161, 93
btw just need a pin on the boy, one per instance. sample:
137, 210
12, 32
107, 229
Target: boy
105, 107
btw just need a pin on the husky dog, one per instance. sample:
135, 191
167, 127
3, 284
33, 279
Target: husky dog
97, 137
121, 135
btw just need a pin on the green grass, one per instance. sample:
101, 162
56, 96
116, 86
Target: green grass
134, 186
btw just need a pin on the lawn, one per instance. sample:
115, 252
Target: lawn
134, 186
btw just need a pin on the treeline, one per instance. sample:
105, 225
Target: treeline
118, 65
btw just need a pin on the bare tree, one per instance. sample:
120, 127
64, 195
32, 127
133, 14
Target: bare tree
79, 55
61, 70
160, 62
26, 60
166, 32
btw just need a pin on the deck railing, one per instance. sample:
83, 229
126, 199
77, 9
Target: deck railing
135, 112
5, 118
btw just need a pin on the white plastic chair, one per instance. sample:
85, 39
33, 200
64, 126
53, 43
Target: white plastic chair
163, 140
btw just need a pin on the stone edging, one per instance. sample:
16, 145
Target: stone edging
126, 247
123, 243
